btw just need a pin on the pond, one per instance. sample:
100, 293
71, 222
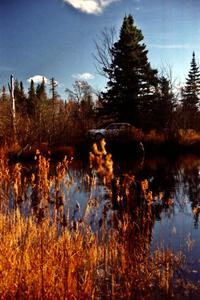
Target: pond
173, 185
176, 180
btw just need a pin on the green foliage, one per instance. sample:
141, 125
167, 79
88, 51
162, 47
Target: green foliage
132, 82
32, 100
20, 97
53, 85
41, 91
134, 94
43, 118
165, 105
192, 88
191, 96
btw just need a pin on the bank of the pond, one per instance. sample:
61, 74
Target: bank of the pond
81, 148
139, 148
28, 152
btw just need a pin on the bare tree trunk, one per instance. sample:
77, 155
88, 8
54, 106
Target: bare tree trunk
13, 106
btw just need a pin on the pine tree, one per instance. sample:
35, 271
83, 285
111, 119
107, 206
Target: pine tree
32, 100
41, 92
20, 98
165, 104
54, 106
191, 96
53, 85
132, 82
16, 89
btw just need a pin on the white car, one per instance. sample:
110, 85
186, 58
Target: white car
114, 131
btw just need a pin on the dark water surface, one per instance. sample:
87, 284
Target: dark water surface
177, 226
175, 185
175, 180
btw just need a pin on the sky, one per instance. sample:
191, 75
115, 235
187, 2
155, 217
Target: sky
55, 38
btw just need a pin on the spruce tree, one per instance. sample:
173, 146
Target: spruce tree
41, 91
191, 96
54, 104
32, 100
132, 82
165, 105
53, 85
20, 98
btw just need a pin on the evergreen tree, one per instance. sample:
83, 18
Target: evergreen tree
54, 105
191, 96
16, 89
41, 91
53, 85
32, 100
20, 98
165, 105
132, 82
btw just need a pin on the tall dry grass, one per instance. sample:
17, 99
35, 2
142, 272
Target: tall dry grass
188, 136
44, 258
38, 263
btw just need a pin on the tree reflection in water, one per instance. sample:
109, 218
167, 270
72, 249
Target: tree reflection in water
189, 170
110, 190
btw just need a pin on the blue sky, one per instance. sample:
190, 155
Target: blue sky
55, 38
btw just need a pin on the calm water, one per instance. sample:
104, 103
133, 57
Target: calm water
177, 181
175, 185
177, 226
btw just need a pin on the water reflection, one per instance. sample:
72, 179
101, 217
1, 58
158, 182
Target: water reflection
170, 179
167, 213
176, 180
150, 202
175, 186
191, 183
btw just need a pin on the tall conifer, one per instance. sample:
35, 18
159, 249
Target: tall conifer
20, 98
132, 81
32, 100
191, 96
41, 91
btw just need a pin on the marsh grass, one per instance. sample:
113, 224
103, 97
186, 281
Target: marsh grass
189, 136
36, 263
42, 257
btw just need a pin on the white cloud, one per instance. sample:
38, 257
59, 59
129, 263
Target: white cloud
84, 76
38, 79
90, 6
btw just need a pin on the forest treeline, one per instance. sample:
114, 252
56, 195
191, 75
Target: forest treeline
135, 93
